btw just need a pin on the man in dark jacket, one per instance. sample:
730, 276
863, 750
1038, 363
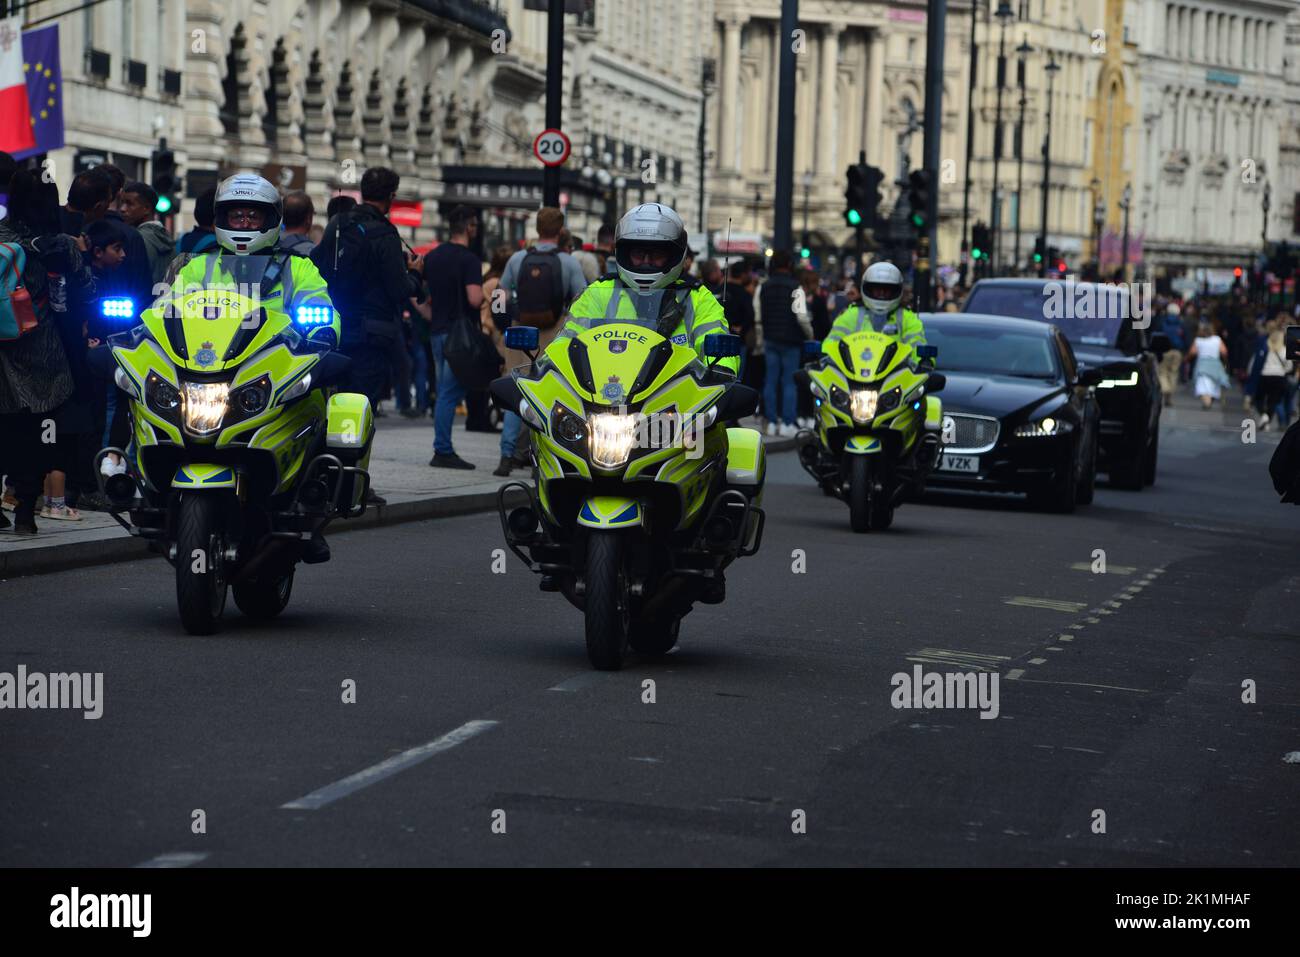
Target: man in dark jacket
370, 280
299, 215
140, 209
135, 277
783, 318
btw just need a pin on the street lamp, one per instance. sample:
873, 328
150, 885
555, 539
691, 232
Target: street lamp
1098, 223
1022, 53
1004, 14
1051, 70
1125, 201
970, 143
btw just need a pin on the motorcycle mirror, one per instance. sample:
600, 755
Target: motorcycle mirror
1293, 342
935, 383
927, 352
812, 348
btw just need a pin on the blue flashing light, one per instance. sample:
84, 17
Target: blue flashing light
314, 315
117, 308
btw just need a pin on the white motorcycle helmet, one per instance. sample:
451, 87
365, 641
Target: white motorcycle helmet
886, 282
657, 226
247, 189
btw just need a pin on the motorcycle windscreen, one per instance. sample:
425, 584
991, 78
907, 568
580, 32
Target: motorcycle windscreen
210, 326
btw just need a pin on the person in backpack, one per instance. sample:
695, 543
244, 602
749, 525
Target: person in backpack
453, 274
299, 214
40, 270
370, 282
542, 281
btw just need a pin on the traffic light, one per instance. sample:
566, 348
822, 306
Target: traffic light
979, 242
918, 197
1038, 250
862, 194
165, 181
1055, 259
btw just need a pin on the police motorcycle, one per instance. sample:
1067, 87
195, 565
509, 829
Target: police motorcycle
242, 448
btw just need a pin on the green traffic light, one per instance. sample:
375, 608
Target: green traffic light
977, 254
854, 217
805, 253
164, 204
1038, 257
918, 220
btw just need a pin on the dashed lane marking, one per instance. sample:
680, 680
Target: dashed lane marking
1038, 661
960, 659
387, 768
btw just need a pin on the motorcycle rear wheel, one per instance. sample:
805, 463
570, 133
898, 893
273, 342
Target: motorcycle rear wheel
201, 593
606, 611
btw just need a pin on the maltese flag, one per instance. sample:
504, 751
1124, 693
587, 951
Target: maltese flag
15, 112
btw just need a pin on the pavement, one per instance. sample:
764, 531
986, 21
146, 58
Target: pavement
399, 472
422, 703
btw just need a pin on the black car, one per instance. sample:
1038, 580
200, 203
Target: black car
1097, 319
1019, 415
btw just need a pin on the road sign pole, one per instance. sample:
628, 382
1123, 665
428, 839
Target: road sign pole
554, 93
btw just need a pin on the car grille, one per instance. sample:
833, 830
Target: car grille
972, 433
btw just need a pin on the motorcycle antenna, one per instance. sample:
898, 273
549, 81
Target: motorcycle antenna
724, 280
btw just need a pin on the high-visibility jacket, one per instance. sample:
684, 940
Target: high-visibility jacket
610, 301
857, 318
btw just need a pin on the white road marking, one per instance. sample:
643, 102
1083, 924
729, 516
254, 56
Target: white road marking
1051, 604
174, 859
1015, 673
1054, 648
1083, 684
579, 681
961, 659
1038, 661
387, 768
1110, 569
1092, 621
1078, 627
1066, 747
1065, 637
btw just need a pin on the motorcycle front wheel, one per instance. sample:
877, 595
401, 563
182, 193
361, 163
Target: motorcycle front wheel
200, 544
606, 613
859, 475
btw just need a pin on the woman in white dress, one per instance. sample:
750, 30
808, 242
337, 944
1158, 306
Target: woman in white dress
1209, 352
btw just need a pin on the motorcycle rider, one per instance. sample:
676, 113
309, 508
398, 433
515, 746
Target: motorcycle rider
649, 288
248, 224
881, 305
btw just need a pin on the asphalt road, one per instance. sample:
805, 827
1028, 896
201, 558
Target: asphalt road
1118, 692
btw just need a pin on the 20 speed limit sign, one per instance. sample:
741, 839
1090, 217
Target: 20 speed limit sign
552, 147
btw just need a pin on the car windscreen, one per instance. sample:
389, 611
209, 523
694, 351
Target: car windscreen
975, 347
1088, 315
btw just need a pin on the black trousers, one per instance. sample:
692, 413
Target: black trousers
369, 371
33, 446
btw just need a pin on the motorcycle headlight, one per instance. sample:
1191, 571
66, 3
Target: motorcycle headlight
248, 400
567, 426
161, 396
889, 400
1045, 426
839, 398
611, 438
203, 405
864, 404
299, 388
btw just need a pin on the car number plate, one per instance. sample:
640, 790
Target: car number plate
960, 463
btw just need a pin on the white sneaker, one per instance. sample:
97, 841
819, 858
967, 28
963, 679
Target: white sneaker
788, 430
772, 428
109, 468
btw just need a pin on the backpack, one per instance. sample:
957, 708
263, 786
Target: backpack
539, 289
17, 314
344, 264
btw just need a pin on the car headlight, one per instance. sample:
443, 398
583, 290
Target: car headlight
611, 437
1045, 426
1130, 379
864, 404
203, 405
567, 426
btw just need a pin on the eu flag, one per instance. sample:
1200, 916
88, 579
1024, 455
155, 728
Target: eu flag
44, 88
